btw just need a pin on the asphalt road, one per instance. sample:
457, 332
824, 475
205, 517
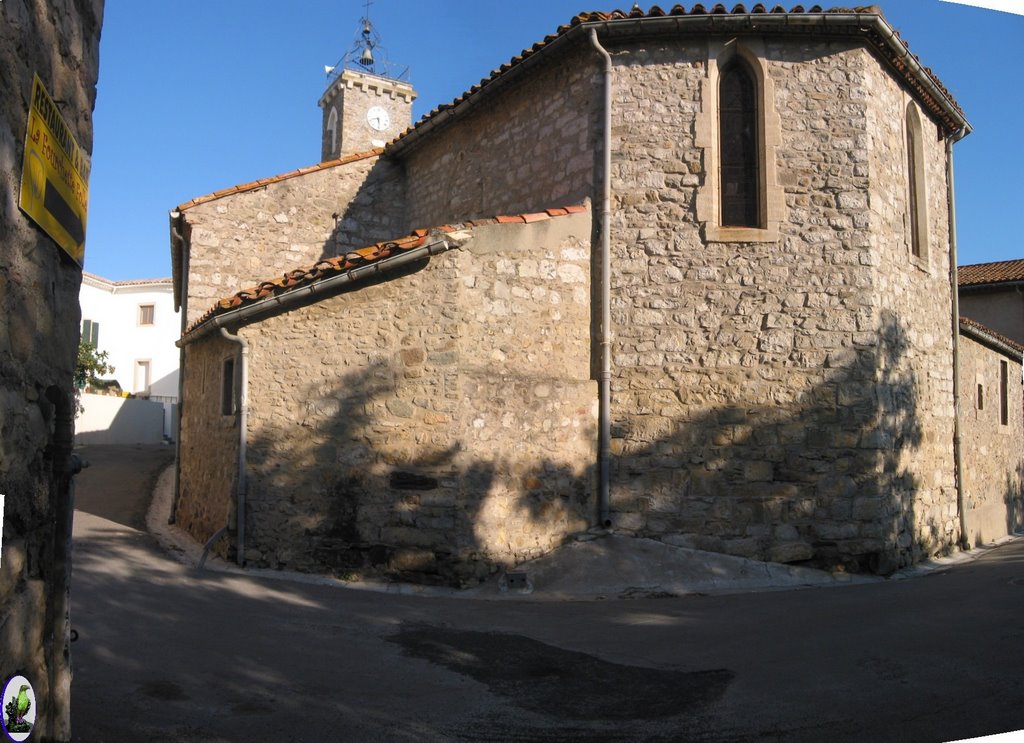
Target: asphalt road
166, 653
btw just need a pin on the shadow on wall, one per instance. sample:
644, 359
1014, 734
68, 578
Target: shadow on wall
377, 212
825, 480
341, 491
1014, 501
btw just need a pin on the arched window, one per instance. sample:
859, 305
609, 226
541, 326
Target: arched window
738, 146
917, 199
332, 128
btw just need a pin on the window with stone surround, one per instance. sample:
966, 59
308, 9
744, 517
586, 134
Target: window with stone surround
917, 201
332, 129
738, 129
737, 138
227, 389
1004, 393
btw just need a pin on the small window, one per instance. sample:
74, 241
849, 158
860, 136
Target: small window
738, 142
91, 333
332, 129
917, 199
1004, 393
227, 395
146, 313
981, 397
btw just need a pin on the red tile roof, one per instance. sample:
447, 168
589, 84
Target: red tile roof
126, 282
998, 272
885, 40
252, 186
613, 16
968, 324
342, 264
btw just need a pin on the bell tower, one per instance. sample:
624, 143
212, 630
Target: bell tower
366, 104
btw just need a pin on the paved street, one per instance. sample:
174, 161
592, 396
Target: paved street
167, 653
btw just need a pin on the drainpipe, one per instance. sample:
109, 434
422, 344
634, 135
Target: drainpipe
958, 463
605, 374
243, 426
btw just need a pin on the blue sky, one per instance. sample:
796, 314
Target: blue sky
199, 95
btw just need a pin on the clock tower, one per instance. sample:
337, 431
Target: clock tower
365, 106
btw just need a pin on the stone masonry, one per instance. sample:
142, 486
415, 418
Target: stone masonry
246, 235
39, 284
440, 422
782, 392
994, 492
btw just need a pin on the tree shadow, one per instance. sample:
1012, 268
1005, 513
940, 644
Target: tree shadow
1013, 499
826, 478
335, 491
830, 479
376, 212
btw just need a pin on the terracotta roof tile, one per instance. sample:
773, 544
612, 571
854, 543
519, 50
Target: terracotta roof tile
896, 58
126, 282
341, 264
253, 185
537, 217
986, 330
998, 272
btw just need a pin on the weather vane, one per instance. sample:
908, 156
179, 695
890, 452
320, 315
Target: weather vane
362, 56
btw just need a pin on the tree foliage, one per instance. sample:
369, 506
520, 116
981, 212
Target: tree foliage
92, 365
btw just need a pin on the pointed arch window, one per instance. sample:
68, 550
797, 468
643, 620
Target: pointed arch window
738, 145
332, 130
917, 197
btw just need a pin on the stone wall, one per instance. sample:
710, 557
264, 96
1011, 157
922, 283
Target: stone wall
915, 384
761, 388
781, 392
530, 148
434, 424
994, 472
240, 239
39, 285
208, 453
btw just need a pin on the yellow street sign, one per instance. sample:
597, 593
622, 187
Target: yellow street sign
55, 175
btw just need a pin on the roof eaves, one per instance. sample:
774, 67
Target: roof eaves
996, 273
866, 21
986, 336
263, 182
272, 293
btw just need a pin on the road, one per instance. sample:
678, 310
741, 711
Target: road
167, 653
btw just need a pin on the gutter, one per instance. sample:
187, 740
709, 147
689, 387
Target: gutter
958, 461
991, 341
289, 299
250, 313
604, 341
243, 438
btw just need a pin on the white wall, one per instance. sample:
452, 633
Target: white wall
115, 306
119, 420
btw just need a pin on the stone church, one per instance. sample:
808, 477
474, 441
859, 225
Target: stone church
684, 274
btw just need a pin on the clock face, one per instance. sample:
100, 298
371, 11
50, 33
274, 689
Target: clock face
378, 118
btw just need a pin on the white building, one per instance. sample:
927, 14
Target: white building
135, 323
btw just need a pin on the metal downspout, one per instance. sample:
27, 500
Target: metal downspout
605, 373
958, 462
243, 426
